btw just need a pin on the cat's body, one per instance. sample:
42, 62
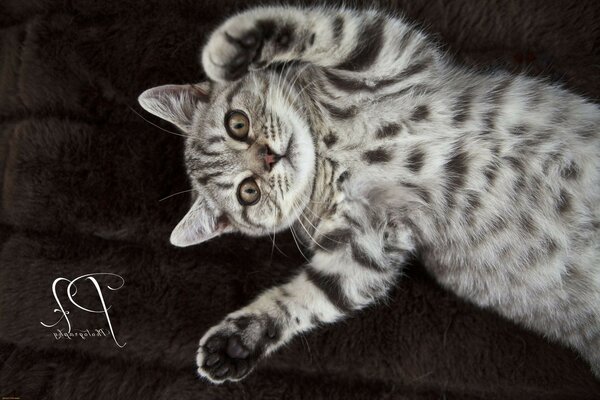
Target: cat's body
388, 149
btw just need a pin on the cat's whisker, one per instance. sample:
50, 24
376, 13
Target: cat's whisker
302, 89
274, 246
299, 93
309, 200
296, 95
297, 243
175, 194
157, 126
299, 220
319, 219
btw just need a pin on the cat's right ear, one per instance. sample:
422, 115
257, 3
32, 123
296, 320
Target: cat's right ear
175, 103
201, 223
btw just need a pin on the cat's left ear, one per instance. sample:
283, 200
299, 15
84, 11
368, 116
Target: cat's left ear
201, 223
175, 103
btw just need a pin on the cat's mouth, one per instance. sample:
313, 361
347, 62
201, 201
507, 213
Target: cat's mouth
271, 157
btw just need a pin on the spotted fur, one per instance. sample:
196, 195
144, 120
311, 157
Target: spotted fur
389, 149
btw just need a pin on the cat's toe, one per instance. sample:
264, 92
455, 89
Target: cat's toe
229, 351
223, 358
230, 53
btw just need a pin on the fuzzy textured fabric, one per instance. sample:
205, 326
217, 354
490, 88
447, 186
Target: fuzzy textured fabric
83, 182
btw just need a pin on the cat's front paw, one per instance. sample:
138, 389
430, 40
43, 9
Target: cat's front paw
245, 42
230, 350
229, 53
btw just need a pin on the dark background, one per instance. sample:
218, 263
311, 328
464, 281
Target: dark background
82, 177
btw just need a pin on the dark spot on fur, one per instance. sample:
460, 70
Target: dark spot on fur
330, 139
419, 190
311, 39
345, 83
551, 246
204, 179
272, 331
498, 224
335, 239
338, 28
518, 130
331, 286
495, 150
215, 139
386, 131
352, 221
364, 259
266, 28
367, 48
519, 185
413, 69
339, 112
553, 159
463, 106
563, 202
420, 113
235, 90
379, 155
587, 133
242, 322
527, 223
284, 37
350, 84
297, 320
456, 169
571, 171
283, 308
198, 147
495, 96
343, 176
223, 185
415, 160
404, 41
517, 165
489, 121
472, 201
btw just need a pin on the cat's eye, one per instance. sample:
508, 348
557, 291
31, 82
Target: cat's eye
237, 124
248, 192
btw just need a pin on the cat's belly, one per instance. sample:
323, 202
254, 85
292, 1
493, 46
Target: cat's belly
557, 295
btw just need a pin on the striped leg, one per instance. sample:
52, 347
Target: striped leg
355, 44
350, 270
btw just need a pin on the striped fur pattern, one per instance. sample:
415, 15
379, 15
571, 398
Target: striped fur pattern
389, 150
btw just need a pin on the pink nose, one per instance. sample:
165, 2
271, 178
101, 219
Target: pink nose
271, 158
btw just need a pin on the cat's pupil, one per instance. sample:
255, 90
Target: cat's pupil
238, 126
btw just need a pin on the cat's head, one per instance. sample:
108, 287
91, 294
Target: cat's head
249, 154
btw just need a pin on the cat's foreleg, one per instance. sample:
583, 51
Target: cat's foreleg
351, 44
351, 269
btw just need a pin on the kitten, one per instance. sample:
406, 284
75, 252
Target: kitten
356, 128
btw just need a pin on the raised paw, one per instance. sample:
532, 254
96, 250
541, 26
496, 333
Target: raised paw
230, 350
243, 43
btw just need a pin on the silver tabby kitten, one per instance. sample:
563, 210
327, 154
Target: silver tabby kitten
377, 146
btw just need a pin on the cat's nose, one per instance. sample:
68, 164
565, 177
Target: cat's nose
270, 158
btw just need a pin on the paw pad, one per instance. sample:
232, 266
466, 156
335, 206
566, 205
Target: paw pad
230, 350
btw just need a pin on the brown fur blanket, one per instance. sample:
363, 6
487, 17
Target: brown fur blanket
83, 181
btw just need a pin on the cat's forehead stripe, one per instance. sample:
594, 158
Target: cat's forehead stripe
233, 91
